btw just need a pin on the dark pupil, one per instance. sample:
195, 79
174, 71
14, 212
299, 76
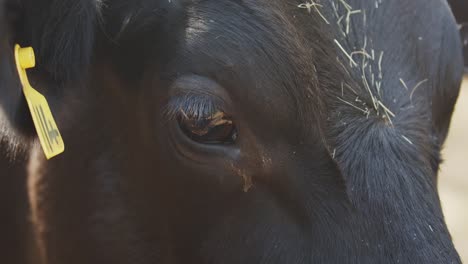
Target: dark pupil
215, 129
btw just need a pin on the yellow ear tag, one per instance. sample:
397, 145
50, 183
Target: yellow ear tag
48, 133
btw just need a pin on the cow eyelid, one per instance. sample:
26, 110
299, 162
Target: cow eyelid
193, 106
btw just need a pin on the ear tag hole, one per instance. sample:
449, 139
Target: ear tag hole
44, 122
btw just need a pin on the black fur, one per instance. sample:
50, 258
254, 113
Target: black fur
328, 167
17, 244
62, 34
460, 10
63, 39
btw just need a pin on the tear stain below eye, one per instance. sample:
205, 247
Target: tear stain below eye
248, 183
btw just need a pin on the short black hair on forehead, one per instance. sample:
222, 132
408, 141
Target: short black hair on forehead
133, 34
122, 18
263, 32
263, 40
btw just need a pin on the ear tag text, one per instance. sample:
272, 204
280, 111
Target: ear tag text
46, 127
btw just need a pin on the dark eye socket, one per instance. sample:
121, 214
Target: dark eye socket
217, 128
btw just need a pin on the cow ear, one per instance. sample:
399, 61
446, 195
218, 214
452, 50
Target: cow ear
62, 35
13, 112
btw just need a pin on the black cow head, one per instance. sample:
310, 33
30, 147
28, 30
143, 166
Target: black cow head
226, 131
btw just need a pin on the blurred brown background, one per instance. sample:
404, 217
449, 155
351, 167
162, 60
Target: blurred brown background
453, 179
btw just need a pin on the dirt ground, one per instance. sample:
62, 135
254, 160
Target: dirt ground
453, 179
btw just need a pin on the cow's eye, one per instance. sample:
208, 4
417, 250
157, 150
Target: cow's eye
217, 128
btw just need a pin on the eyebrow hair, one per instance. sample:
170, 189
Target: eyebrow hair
193, 105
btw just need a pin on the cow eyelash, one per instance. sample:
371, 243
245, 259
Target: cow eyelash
195, 107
